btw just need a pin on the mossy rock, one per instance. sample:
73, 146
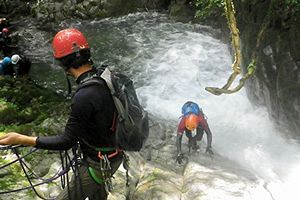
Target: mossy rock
24, 106
24, 92
8, 112
181, 11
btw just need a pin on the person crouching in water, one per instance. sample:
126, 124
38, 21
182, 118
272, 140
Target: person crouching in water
192, 118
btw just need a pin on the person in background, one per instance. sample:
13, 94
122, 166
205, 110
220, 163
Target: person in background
6, 67
192, 119
91, 123
21, 64
4, 23
5, 42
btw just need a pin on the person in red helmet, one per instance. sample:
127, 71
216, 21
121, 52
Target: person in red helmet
192, 119
91, 123
5, 42
5, 31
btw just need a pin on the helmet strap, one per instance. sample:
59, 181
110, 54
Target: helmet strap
68, 84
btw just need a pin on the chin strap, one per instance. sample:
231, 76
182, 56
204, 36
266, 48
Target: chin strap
69, 85
92, 75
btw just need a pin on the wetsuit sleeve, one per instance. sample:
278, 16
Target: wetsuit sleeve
180, 131
181, 126
59, 142
80, 112
178, 143
206, 128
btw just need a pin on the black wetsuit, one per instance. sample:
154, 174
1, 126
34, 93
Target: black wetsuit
23, 66
5, 44
8, 70
91, 119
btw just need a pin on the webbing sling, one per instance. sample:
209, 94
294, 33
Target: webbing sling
93, 175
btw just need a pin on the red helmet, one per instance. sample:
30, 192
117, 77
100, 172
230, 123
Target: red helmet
191, 122
68, 41
5, 30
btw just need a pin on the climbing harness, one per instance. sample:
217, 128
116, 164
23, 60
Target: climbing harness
105, 169
230, 15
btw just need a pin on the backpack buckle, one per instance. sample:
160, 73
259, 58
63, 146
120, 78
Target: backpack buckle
100, 156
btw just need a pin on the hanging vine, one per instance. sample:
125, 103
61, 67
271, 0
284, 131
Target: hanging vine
236, 66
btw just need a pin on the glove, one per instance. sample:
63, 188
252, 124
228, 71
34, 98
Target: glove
179, 158
209, 151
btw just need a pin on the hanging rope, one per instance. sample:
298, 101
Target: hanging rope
230, 15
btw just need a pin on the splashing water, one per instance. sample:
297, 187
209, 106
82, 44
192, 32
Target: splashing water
172, 63
182, 61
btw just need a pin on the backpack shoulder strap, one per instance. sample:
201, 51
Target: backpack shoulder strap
91, 79
106, 76
89, 82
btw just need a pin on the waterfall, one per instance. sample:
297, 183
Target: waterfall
172, 63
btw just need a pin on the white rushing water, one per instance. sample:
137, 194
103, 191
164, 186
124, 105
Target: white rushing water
172, 63
182, 60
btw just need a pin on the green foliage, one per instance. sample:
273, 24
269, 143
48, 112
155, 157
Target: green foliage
8, 112
25, 105
209, 8
213, 8
13, 175
293, 2
293, 6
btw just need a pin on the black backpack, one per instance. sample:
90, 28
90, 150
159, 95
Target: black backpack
132, 126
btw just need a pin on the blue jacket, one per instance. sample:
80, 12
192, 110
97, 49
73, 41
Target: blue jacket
7, 69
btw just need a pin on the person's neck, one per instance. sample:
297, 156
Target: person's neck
77, 72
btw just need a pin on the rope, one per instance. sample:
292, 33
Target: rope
23, 168
62, 172
19, 158
230, 15
9, 147
38, 184
13, 148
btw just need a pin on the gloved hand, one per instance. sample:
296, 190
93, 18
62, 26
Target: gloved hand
209, 151
179, 158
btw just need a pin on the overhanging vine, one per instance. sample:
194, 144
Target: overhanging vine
236, 66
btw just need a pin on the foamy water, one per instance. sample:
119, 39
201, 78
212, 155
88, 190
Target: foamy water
172, 63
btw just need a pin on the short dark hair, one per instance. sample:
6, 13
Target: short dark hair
76, 59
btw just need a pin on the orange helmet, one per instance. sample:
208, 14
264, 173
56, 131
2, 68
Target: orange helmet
68, 41
191, 122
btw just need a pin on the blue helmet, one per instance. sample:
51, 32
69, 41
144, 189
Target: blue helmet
6, 61
190, 107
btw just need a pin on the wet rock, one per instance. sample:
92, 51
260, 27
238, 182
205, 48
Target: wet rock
276, 82
182, 10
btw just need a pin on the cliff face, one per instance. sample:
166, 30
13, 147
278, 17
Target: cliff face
276, 83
